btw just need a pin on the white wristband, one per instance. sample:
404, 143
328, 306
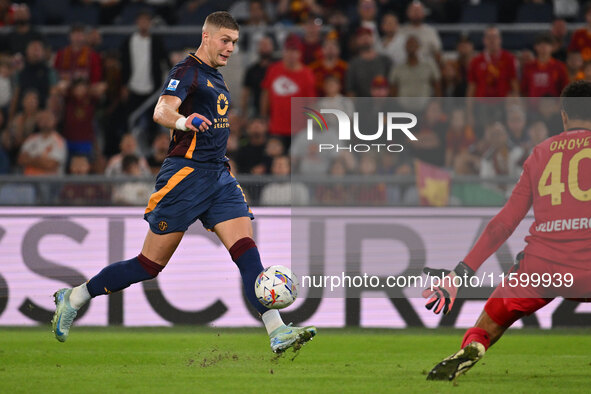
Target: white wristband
180, 124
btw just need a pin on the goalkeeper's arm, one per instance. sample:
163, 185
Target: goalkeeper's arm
442, 297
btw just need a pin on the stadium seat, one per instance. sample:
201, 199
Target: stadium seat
479, 13
129, 13
476, 38
449, 40
113, 41
532, 13
52, 12
197, 16
17, 194
57, 41
175, 42
515, 41
86, 14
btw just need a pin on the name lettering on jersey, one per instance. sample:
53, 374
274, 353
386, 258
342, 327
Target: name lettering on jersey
209, 84
221, 123
570, 144
564, 225
223, 104
172, 85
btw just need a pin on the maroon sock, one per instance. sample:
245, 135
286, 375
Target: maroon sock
476, 334
151, 267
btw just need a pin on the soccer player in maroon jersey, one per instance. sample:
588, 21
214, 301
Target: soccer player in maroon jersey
556, 181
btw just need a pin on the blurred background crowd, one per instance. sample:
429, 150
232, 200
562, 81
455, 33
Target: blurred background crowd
79, 80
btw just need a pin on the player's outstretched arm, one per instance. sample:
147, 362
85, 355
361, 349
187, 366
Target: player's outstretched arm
500, 227
166, 114
442, 295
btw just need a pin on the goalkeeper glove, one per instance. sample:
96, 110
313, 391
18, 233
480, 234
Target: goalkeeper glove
442, 297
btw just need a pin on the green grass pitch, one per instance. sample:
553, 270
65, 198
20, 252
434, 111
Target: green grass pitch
188, 359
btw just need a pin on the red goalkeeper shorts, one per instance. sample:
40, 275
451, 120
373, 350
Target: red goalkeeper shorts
533, 284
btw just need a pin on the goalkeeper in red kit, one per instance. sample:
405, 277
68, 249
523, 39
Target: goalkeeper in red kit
556, 181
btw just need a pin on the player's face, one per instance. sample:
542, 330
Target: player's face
221, 44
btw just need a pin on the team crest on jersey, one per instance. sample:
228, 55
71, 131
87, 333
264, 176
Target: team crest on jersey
223, 104
162, 225
283, 86
173, 84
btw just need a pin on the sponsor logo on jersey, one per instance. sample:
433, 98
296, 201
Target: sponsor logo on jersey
283, 86
583, 223
209, 84
223, 104
172, 85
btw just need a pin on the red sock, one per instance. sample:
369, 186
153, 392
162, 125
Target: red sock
476, 334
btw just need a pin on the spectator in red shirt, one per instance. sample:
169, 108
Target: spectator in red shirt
330, 64
78, 60
581, 39
493, 72
312, 42
284, 80
545, 76
80, 107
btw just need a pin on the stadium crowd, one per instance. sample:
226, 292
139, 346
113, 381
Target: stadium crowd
64, 108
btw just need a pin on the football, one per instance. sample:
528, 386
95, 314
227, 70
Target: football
276, 287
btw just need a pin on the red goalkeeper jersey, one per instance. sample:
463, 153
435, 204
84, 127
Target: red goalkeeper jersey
556, 180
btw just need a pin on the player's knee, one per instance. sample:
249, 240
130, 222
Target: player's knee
152, 268
240, 247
